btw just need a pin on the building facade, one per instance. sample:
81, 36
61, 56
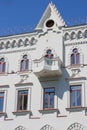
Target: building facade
43, 76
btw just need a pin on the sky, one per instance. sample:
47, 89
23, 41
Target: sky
19, 16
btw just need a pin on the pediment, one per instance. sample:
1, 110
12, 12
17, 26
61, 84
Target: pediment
50, 17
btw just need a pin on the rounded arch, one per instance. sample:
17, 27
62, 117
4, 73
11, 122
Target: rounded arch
33, 41
66, 36
2, 45
26, 41
13, 44
73, 35
47, 49
20, 42
47, 127
85, 33
8, 44
80, 34
20, 128
76, 126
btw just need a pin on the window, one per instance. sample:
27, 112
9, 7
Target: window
1, 101
48, 98
2, 65
75, 96
22, 100
49, 54
24, 63
75, 57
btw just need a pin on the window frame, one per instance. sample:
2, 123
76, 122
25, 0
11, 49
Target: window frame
23, 95
25, 60
48, 108
22, 87
76, 106
5, 100
75, 56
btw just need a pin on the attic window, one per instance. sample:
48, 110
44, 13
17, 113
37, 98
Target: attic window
49, 23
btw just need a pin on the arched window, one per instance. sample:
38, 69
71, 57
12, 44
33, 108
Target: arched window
2, 65
75, 57
24, 63
49, 53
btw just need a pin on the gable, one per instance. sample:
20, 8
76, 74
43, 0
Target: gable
50, 17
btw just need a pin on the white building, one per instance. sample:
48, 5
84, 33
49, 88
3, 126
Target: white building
43, 77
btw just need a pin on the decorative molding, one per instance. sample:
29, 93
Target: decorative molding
16, 51
75, 43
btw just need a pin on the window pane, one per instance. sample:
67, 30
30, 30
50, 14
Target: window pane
73, 98
52, 100
72, 59
27, 63
3, 67
1, 104
25, 102
1, 101
49, 89
76, 95
78, 98
46, 101
22, 65
20, 102
23, 92
77, 59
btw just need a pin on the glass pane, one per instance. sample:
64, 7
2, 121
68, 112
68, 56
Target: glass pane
0, 67
46, 101
1, 104
75, 87
20, 102
52, 100
23, 92
72, 59
73, 98
25, 102
3, 67
78, 98
22, 65
1, 94
77, 59
27, 63
49, 89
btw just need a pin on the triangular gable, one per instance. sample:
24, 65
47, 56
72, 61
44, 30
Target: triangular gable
51, 12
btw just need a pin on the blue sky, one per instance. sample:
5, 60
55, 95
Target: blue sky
23, 15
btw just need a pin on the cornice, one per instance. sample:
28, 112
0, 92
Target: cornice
75, 43
16, 51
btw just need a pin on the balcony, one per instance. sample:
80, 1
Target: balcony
46, 67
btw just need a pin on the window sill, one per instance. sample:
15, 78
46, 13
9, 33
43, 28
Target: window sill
75, 66
76, 109
2, 113
3, 74
24, 72
23, 112
48, 110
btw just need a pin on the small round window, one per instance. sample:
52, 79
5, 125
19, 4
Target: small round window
49, 23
